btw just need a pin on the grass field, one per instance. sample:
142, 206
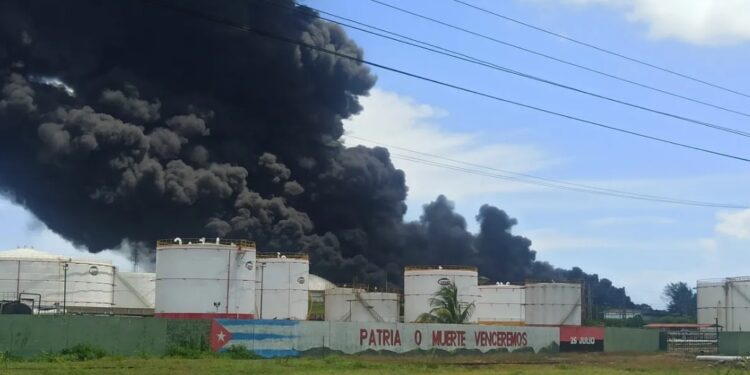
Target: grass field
506, 364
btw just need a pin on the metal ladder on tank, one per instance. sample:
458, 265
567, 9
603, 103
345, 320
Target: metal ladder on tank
370, 309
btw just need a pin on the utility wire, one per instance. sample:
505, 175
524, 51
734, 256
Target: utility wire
474, 60
601, 49
559, 60
498, 176
493, 172
280, 38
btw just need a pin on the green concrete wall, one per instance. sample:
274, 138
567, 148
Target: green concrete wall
619, 339
734, 343
188, 334
26, 335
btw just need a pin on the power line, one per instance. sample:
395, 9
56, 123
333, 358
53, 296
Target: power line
498, 176
487, 171
559, 60
601, 49
474, 60
265, 34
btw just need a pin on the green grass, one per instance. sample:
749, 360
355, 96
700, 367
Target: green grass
605, 364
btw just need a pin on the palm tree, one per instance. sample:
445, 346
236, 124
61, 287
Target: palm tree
446, 308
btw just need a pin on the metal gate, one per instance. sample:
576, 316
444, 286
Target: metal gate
694, 342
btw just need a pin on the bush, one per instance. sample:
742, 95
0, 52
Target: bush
239, 352
83, 352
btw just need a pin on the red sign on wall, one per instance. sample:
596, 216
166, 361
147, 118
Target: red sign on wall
581, 339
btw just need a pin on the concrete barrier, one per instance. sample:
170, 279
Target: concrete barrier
283, 338
734, 343
31, 335
620, 339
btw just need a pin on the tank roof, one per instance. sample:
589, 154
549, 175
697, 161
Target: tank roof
317, 283
278, 255
502, 285
25, 253
448, 267
178, 241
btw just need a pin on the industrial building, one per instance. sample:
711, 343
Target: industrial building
221, 278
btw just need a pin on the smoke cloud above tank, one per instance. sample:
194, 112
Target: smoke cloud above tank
122, 123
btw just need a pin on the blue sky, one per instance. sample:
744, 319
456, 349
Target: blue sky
639, 245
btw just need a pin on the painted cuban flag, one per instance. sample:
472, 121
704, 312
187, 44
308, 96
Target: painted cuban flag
267, 338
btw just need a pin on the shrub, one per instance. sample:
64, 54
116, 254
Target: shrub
83, 352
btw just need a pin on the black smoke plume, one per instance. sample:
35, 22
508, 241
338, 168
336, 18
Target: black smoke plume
122, 122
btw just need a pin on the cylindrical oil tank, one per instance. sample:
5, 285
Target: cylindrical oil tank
712, 302
135, 290
738, 291
281, 286
553, 304
360, 305
726, 301
52, 281
501, 304
205, 278
422, 282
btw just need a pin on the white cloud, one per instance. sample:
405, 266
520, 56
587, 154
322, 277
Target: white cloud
22, 229
734, 224
399, 121
692, 21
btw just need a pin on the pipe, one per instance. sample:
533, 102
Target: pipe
720, 358
18, 280
229, 271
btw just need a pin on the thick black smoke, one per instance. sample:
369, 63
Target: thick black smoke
122, 123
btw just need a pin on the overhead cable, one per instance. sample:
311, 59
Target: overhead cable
493, 172
284, 39
477, 61
559, 60
601, 49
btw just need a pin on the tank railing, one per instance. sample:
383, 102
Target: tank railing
370, 288
712, 282
370, 308
271, 255
723, 280
502, 283
178, 241
554, 281
440, 267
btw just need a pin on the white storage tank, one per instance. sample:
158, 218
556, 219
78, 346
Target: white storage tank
281, 286
52, 280
712, 302
421, 283
360, 305
135, 290
727, 300
501, 304
553, 304
205, 278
